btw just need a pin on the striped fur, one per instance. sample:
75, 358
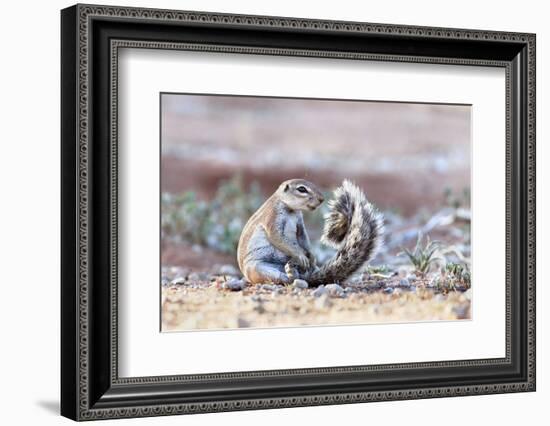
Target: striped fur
355, 228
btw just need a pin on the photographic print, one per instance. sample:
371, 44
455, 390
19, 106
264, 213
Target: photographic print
284, 212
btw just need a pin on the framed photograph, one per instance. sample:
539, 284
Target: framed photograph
263, 212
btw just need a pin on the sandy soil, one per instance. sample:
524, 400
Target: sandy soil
207, 305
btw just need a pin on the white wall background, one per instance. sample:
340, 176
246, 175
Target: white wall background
29, 217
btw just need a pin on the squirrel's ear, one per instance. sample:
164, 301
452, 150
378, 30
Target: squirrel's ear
287, 187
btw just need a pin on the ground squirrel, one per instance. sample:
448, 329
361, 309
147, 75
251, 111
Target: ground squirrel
274, 246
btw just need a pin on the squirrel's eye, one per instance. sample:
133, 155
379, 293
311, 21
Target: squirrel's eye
302, 189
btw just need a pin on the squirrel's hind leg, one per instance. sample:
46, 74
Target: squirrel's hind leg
266, 272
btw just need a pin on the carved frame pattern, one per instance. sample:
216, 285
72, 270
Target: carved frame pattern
85, 409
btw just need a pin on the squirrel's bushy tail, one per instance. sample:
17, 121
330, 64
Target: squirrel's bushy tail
354, 227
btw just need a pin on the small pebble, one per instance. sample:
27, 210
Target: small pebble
334, 289
412, 278
356, 281
300, 284
178, 281
234, 285
319, 291
388, 290
404, 283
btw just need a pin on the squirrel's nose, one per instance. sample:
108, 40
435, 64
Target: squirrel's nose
321, 198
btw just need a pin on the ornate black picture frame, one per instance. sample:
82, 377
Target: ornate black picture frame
91, 36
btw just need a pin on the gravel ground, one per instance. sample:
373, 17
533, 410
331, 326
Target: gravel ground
192, 301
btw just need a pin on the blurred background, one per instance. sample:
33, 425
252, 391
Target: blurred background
222, 156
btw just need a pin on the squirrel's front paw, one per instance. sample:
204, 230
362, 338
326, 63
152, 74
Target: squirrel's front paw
303, 262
